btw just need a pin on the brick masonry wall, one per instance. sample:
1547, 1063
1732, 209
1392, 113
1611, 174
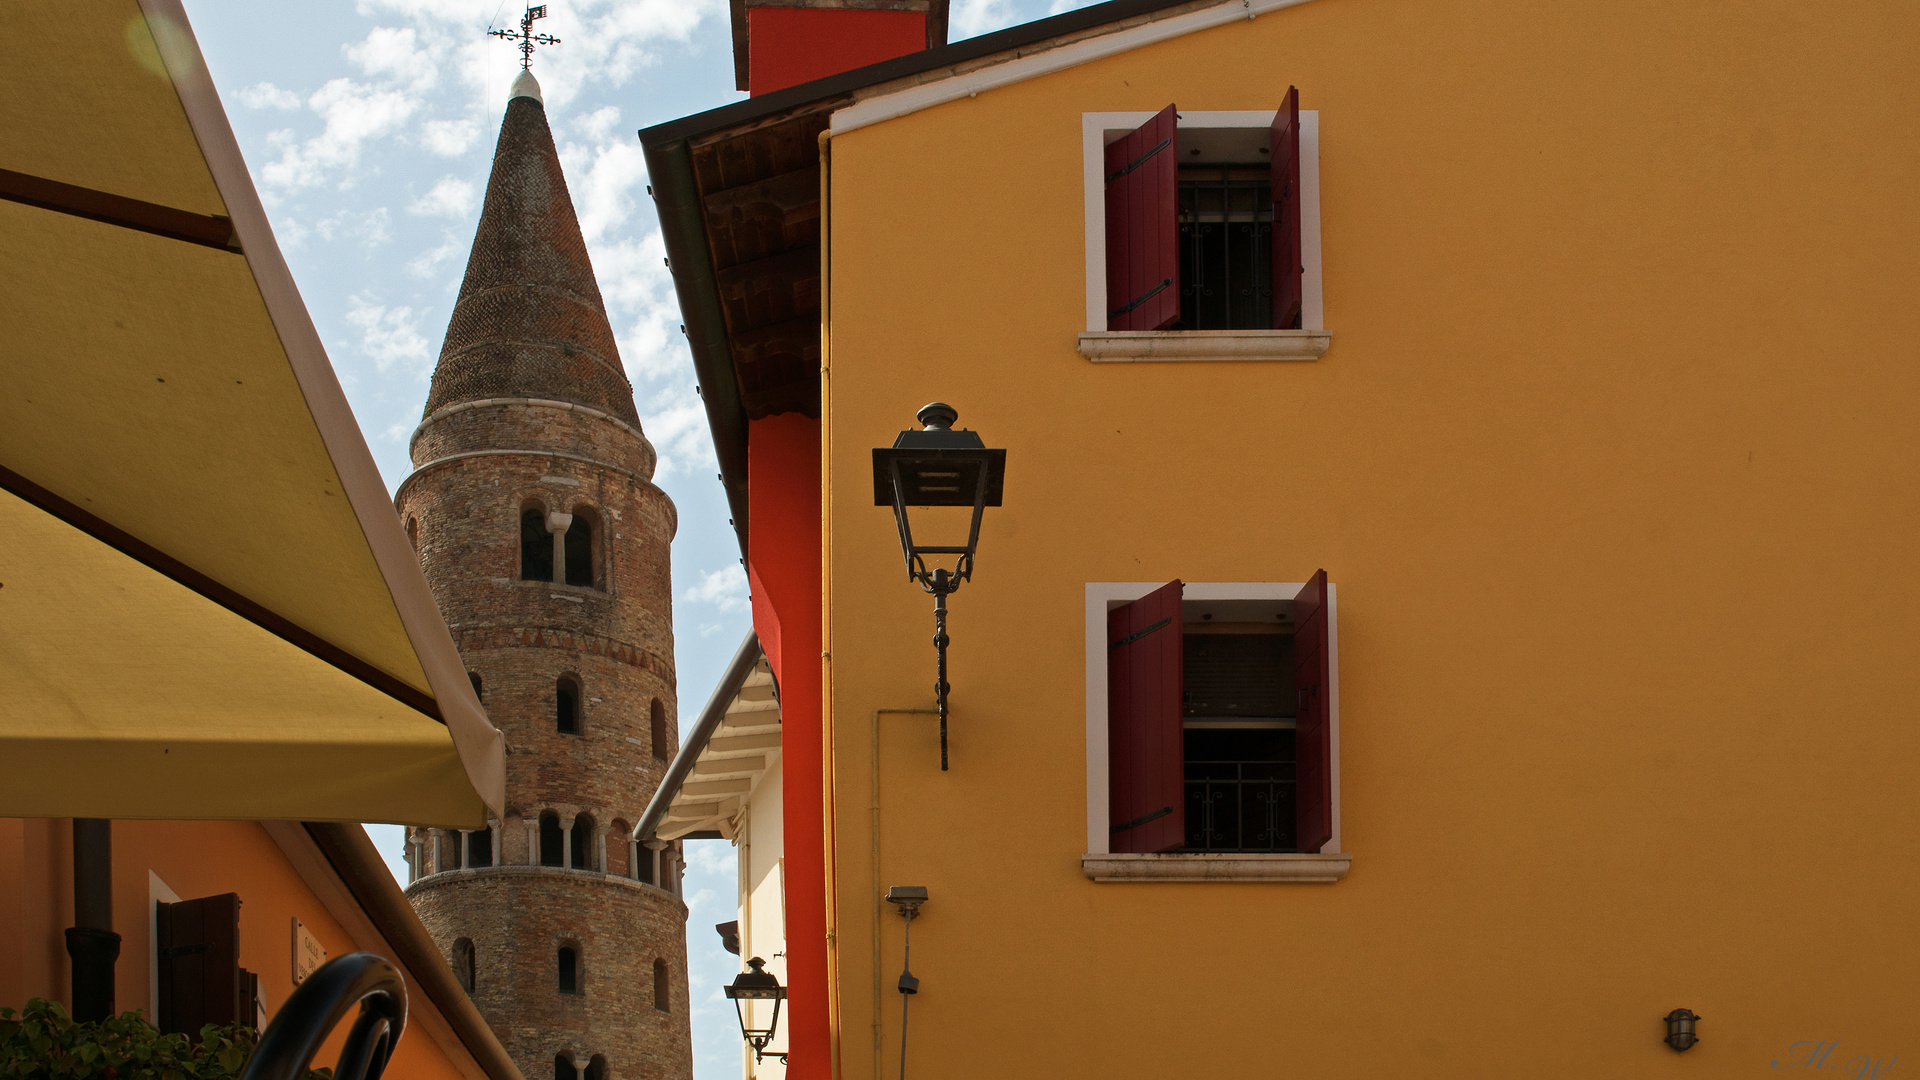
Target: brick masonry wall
478, 465
620, 928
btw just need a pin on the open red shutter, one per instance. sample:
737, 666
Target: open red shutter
199, 963
1284, 152
1146, 758
1312, 737
1143, 253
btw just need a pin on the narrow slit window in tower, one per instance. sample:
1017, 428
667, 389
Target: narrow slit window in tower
566, 705
550, 839
658, 736
463, 963
581, 836
479, 690
662, 992
580, 549
413, 532
569, 970
536, 546
480, 848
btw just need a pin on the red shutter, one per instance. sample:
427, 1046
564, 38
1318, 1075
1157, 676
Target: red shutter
1312, 737
1283, 151
1145, 753
1143, 253
199, 963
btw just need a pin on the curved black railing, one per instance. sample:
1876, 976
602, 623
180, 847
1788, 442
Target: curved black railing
317, 1006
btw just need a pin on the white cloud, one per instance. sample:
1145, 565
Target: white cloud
725, 588
451, 197
1059, 7
598, 125
389, 335
679, 431
428, 263
370, 228
395, 53
972, 18
265, 95
448, 138
354, 113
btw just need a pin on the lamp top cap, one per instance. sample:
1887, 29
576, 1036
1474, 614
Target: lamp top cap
755, 983
907, 894
938, 414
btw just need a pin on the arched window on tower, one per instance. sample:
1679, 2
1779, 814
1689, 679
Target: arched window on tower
566, 705
536, 545
617, 862
463, 963
580, 838
551, 837
569, 969
662, 991
480, 848
563, 1068
413, 532
479, 688
580, 554
596, 1068
658, 735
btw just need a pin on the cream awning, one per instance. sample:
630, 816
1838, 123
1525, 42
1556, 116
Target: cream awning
207, 607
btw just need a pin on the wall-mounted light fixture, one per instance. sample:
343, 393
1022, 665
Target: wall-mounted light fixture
907, 899
1680, 1034
938, 466
757, 984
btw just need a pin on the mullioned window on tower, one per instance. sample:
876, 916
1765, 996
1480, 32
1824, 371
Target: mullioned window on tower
574, 561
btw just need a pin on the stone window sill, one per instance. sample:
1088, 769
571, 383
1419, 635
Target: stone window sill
1203, 346
1304, 869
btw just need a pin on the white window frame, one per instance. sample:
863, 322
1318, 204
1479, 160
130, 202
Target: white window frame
1310, 342
1099, 862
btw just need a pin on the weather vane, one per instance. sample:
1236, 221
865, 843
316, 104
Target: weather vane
527, 38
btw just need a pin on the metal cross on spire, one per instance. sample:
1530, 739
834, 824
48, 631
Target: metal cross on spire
527, 38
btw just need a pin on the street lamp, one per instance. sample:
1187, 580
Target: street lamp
938, 466
757, 984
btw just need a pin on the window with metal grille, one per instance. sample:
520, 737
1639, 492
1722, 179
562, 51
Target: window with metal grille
1226, 248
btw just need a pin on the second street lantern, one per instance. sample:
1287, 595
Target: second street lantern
938, 466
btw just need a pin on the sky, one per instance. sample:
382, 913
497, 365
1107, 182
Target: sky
368, 126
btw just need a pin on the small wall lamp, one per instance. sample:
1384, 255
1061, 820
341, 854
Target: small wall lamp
938, 466
1680, 1034
757, 984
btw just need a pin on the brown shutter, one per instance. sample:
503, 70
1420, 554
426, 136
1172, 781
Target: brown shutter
1283, 151
1146, 759
1143, 253
199, 963
1312, 737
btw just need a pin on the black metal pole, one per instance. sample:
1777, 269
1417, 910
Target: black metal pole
91, 942
941, 587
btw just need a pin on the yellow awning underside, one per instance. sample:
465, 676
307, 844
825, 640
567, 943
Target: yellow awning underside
147, 383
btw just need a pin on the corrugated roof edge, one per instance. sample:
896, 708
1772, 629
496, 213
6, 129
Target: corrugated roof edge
848, 83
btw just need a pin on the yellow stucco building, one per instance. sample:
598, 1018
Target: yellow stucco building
1597, 407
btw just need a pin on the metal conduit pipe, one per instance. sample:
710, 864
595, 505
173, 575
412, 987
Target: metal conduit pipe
696, 740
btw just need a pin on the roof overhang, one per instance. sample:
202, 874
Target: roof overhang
207, 606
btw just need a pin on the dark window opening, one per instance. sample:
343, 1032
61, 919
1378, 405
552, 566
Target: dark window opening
563, 1068
581, 838
658, 734
579, 544
643, 864
551, 838
413, 532
1226, 248
463, 963
478, 689
480, 848
1238, 716
596, 1068
662, 990
536, 546
569, 970
566, 706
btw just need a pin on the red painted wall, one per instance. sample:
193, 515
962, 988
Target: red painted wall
789, 46
783, 567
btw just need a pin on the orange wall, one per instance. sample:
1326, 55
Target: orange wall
194, 858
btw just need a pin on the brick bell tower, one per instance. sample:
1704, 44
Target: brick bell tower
532, 508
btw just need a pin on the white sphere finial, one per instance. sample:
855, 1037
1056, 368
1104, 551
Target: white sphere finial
525, 85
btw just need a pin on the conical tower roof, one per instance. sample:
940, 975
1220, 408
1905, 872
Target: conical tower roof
530, 322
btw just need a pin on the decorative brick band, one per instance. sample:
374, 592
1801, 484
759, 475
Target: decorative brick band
585, 877
427, 467
517, 637
531, 403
